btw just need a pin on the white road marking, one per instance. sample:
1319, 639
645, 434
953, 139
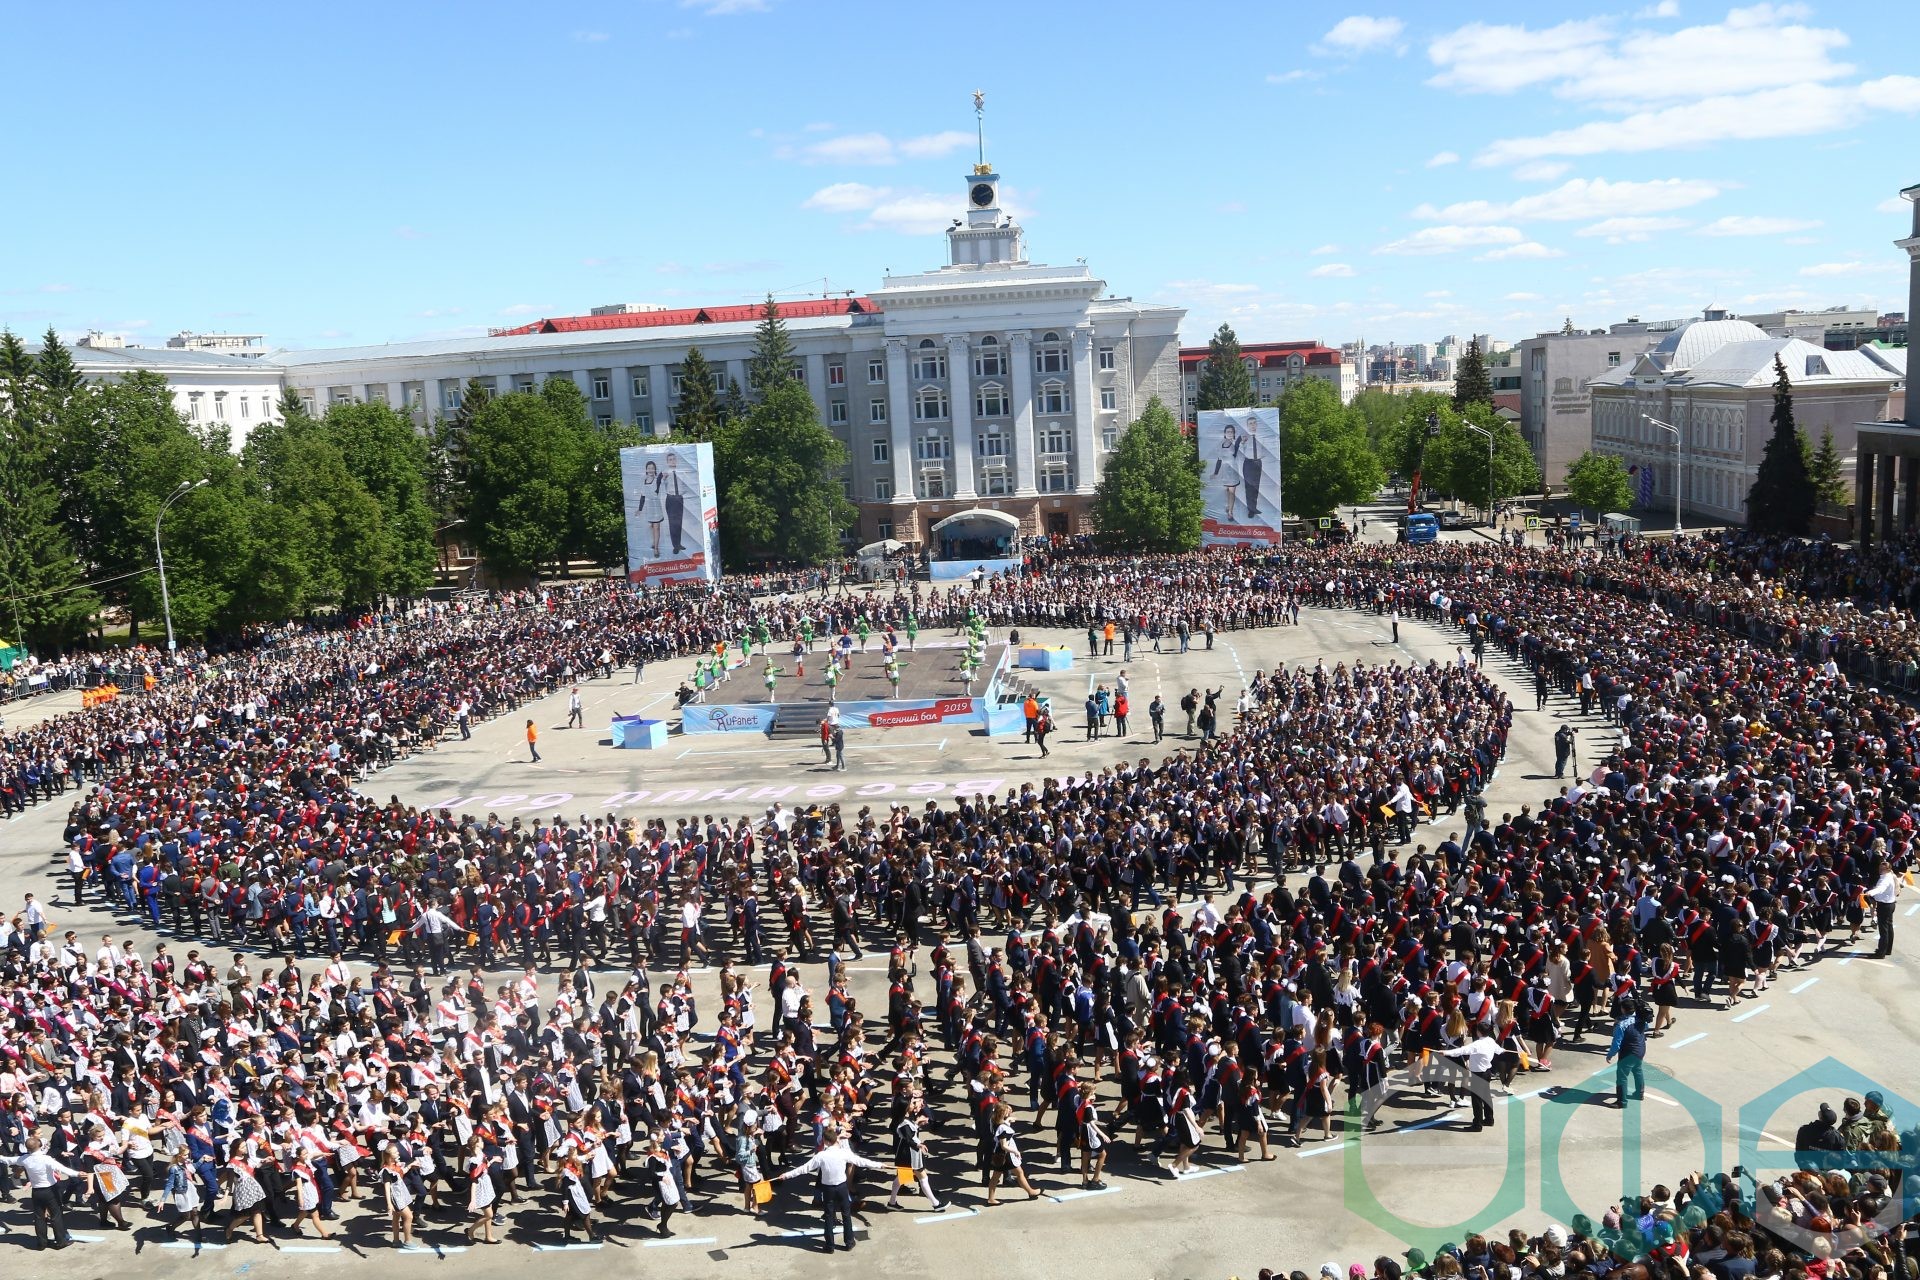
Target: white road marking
1803, 986
1681, 1044
1327, 1150
1208, 1173
1084, 1192
571, 1246
1754, 1012
674, 1244
945, 1217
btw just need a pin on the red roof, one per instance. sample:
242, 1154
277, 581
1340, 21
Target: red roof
747, 312
1269, 355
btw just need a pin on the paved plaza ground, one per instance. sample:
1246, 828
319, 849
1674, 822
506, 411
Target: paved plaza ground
1309, 1205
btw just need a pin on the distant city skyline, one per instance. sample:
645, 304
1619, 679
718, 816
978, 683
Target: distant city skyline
383, 175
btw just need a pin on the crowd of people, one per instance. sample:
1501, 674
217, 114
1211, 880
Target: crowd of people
1239, 946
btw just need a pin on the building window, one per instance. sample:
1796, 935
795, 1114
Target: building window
990, 362
836, 375
930, 405
1053, 438
644, 421
219, 406
306, 405
245, 411
837, 412
877, 370
930, 361
1054, 398
602, 387
1109, 398
1106, 357
640, 385
1613, 359
1053, 478
993, 482
992, 445
417, 398
990, 401
193, 406
933, 484
524, 386
603, 420
719, 382
933, 448
450, 398
1050, 356
882, 451
885, 529
678, 382
1110, 437
883, 491
876, 410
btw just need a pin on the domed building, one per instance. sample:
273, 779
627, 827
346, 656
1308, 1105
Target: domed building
1712, 378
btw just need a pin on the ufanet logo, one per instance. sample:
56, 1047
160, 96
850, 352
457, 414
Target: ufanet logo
1759, 1171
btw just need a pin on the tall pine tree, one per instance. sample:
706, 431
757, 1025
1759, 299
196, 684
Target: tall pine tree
46, 605
1782, 498
1225, 382
697, 413
1826, 472
56, 368
1471, 385
772, 361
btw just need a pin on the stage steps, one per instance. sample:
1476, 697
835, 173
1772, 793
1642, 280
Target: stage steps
797, 720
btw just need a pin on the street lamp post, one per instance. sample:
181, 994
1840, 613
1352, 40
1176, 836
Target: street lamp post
166, 605
1679, 466
1489, 435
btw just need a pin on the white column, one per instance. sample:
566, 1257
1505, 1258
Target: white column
960, 397
900, 418
1086, 452
1020, 351
622, 380
816, 366
660, 397
585, 383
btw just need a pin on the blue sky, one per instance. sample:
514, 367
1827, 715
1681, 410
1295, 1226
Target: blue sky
363, 173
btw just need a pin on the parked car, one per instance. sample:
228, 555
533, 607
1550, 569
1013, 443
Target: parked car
1455, 520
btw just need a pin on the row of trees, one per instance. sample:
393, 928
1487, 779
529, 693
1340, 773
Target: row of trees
314, 513
1331, 454
339, 510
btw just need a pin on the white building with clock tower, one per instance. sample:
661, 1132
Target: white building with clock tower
991, 382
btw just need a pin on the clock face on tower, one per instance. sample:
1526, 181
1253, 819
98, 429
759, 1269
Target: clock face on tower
982, 194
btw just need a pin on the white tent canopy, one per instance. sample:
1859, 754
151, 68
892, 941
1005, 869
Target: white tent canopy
980, 515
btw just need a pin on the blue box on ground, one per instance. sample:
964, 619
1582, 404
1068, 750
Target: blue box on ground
632, 733
1046, 657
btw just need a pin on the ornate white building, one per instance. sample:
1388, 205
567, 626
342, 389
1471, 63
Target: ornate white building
992, 381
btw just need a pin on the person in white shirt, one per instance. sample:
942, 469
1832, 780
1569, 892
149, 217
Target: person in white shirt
1478, 1055
833, 1163
1885, 892
43, 1176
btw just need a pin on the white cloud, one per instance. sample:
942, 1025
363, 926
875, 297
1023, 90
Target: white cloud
845, 197
1541, 170
1530, 249
1753, 225
1231, 206
1790, 112
1449, 239
726, 8
1892, 204
1665, 9
433, 313
1622, 230
877, 148
911, 213
1841, 268
1326, 248
1485, 58
1580, 198
1443, 157
1438, 293
1361, 34
592, 37
1291, 77
527, 309
1522, 297
1332, 270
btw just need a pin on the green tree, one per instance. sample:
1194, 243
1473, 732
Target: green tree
55, 366
596, 521
1782, 497
1471, 385
1149, 495
47, 604
1403, 442
1599, 482
1457, 460
336, 548
391, 461
1325, 460
1224, 381
772, 361
778, 474
696, 415
1824, 470
521, 459
1381, 411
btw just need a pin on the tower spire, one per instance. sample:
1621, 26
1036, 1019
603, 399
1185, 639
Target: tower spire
980, 129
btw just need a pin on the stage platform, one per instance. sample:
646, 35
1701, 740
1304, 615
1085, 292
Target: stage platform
932, 690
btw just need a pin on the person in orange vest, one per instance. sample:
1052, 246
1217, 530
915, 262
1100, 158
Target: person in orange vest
533, 741
1031, 710
1107, 635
